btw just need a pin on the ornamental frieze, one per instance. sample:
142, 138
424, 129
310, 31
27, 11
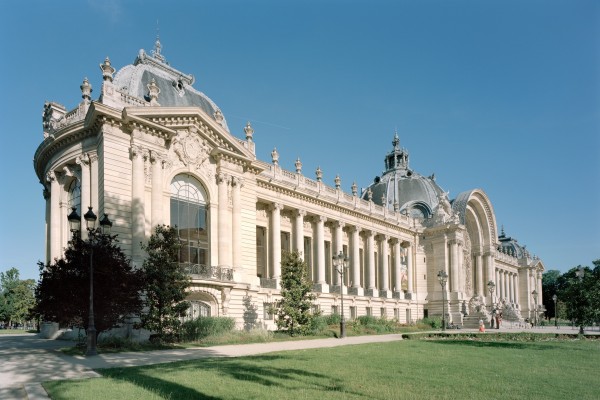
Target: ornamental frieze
190, 148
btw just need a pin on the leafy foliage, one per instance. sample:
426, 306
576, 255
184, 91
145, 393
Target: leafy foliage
16, 297
250, 314
294, 308
202, 327
63, 291
581, 296
166, 285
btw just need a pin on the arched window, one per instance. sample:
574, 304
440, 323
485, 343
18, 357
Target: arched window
189, 216
197, 309
75, 196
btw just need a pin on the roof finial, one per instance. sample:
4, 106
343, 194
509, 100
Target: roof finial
157, 46
396, 141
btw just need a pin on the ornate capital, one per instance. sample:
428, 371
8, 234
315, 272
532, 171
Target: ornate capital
222, 178
319, 219
300, 213
136, 151
237, 181
276, 206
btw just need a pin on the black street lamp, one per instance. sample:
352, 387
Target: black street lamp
579, 273
105, 224
535, 298
491, 286
340, 264
555, 297
443, 278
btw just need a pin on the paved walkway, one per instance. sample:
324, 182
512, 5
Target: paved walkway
28, 360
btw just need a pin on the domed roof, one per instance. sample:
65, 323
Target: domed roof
509, 246
401, 189
175, 87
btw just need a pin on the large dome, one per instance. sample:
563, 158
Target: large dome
175, 87
401, 189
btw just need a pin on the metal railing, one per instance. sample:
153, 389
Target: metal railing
208, 272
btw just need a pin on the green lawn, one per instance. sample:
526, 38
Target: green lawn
409, 369
15, 331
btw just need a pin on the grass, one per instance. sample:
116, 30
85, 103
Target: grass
434, 368
16, 331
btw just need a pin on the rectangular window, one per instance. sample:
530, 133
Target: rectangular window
369, 311
267, 314
261, 256
352, 312
383, 312
308, 257
397, 314
315, 309
329, 278
408, 316
285, 241
334, 310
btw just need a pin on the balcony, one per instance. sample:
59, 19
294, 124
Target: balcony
201, 271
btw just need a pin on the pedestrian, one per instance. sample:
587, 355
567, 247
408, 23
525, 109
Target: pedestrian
481, 326
498, 319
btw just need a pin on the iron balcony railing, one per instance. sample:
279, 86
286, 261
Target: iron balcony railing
207, 272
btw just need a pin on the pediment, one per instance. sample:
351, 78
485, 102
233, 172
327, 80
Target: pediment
192, 135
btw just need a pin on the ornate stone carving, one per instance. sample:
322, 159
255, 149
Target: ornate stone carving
190, 148
107, 70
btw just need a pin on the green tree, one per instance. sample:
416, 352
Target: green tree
581, 295
549, 289
166, 285
16, 297
294, 308
64, 287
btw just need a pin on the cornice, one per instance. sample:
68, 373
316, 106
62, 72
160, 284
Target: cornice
331, 206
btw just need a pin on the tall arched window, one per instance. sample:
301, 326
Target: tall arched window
75, 196
189, 216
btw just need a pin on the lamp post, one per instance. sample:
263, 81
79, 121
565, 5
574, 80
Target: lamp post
340, 263
443, 278
554, 297
491, 286
579, 273
105, 224
535, 297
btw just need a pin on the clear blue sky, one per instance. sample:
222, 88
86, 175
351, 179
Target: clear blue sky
498, 95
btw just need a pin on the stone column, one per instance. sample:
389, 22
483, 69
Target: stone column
299, 232
338, 247
276, 239
85, 186
479, 275
355, 259
498, 284
55, 216
94, 183
410, 267
384, 282
489, 263
224, 231
156, 159
320, 256
372, 290
516, 278
397, 266
236, 223
507, 285
459, 267
138, 219
454, 265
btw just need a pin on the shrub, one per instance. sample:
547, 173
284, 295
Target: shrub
333, 319
318, 324
207, 326
434, 322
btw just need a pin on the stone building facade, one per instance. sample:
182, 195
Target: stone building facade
154, 150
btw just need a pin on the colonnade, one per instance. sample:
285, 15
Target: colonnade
57, 200
371, 276
507, 285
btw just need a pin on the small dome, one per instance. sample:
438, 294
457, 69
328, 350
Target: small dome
402, 189
175, 87
509, 246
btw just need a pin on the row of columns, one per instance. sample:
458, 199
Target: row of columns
507, 284
58, 203
354, 251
